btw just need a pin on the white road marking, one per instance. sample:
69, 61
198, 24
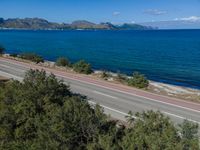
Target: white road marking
106, 107
129, 93
177, 116
125, 114
190, 109
104, 94
116, 89
9, 67
8, 75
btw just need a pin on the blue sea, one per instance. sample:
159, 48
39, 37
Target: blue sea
169, 56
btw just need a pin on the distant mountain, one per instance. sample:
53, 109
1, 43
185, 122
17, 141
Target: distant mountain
176, 24
127, 26
27, 23
37, 23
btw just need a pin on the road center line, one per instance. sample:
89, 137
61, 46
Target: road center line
177, 116
106, 107
190, 109
8, 75
9, 67
105, 94
125, 114
66, 77
158, 101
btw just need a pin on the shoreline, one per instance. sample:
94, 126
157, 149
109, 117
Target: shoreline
170, 90
163, 89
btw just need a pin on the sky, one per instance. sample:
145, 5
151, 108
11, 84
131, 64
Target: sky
114, 11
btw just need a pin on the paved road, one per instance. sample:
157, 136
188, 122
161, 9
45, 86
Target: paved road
117, 100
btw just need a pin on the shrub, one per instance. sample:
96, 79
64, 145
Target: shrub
14, 55
62, 62
138, 80
2, 49
153, 130
105, 75
121, 77
32, 57
82, 67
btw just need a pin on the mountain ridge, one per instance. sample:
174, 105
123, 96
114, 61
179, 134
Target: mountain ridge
41, 24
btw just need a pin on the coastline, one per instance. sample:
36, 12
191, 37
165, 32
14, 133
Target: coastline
117, 51
163, 89
170, 90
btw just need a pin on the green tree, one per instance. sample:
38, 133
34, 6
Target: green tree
189, 133
42, 113
82, 67
32, 57
2, 49
151, 130
109, 137
130, 118
62, 61
138, 80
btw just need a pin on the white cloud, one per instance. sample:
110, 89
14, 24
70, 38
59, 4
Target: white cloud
116, 13
191, 18
155, 12
133, 22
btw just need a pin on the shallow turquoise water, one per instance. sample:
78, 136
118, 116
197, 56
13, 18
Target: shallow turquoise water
171, 56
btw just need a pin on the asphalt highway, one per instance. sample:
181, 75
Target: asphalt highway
117, 100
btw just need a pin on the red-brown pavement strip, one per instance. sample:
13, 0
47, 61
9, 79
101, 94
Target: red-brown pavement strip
113, 86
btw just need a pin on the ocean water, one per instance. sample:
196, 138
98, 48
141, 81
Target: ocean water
169, 56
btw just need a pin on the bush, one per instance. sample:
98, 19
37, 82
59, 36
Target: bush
105, 75
152, 130
14, 55
82, 67
2, 49
62, 62
121, 77
32, 57
138, 80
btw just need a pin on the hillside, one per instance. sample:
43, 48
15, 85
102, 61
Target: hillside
40, 24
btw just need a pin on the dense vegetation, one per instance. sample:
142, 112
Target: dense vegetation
32, 57
2, 49
62, 61
42, 113
14, 55
138, 80
82, 67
